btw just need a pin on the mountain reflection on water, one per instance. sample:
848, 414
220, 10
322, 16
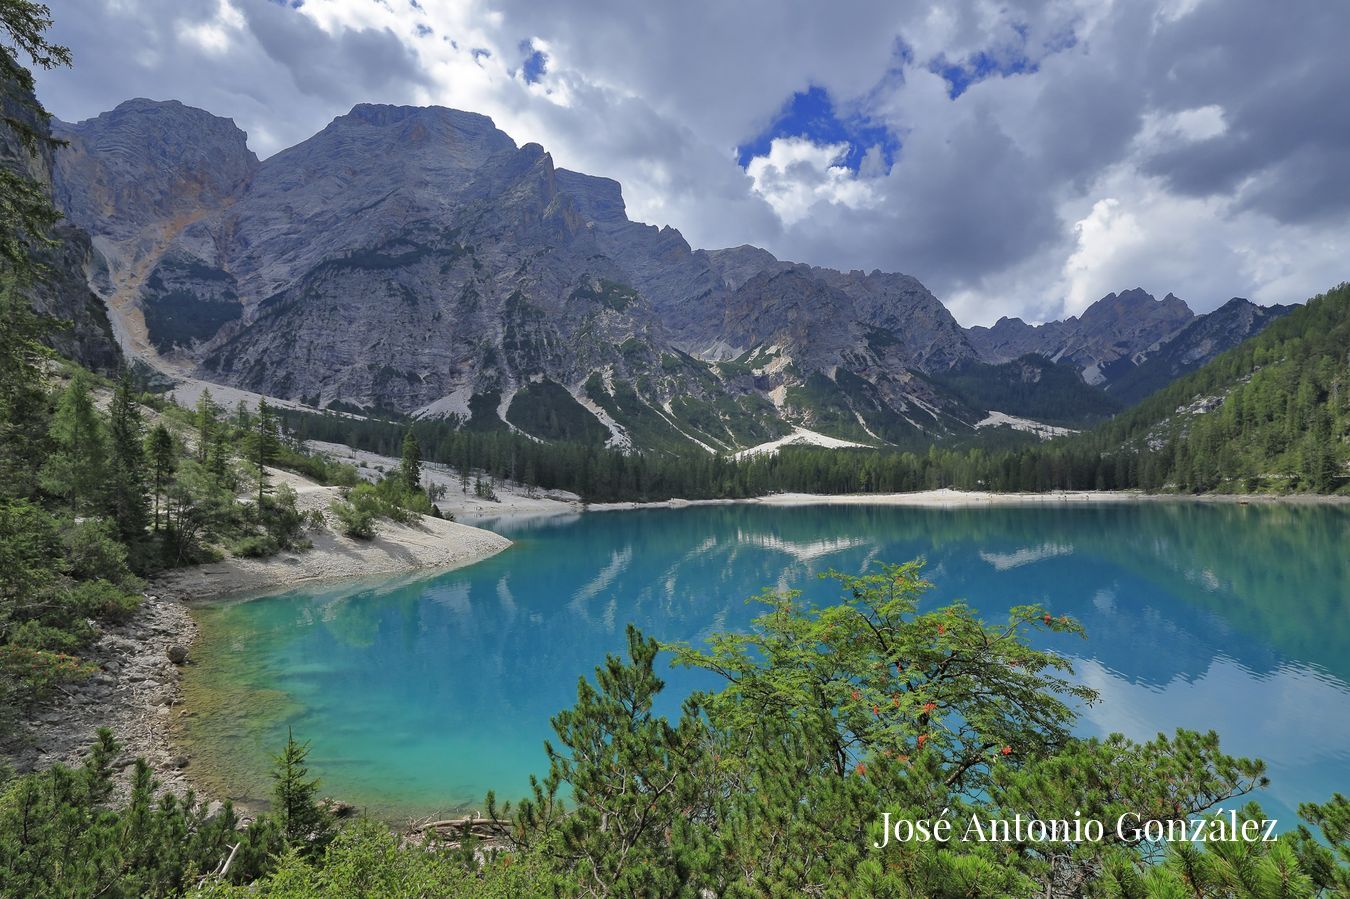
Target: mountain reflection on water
419, 694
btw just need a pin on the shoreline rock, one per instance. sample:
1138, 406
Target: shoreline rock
136, 692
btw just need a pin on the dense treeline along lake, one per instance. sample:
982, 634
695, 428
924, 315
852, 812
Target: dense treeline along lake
421, 693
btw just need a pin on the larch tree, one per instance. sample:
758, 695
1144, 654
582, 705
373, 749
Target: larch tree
410, 467
207, 420
162, 463
128, 496
75, 469
263, 449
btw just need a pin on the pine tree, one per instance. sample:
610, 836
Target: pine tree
263, 449
410, 468
303, 822
162, 461
633, 777
75, 469
128, 501
26, 218
207, 416
23, 425
26, 210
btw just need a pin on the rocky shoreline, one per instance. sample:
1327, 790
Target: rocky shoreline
136, 692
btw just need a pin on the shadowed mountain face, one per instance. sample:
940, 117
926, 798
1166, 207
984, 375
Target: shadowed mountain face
1129, 344
1200, 341
1106, 337
418, 260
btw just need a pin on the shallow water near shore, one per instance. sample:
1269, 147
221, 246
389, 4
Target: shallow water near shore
419, 694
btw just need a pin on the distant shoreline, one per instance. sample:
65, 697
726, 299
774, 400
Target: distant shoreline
930, 499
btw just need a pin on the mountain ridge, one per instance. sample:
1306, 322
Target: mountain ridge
464, 267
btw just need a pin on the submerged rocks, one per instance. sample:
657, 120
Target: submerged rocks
337, 808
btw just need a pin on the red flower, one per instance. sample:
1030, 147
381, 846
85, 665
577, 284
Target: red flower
1047, 617
861, 769
1007, 750
929, 706
876, 711
942, 628
856, 695
922, 738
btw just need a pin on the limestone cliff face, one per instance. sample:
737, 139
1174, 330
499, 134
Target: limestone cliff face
148, 162
414, 259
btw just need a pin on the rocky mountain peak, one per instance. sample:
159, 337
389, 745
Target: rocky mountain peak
148, 161
1203, 338
1115, 307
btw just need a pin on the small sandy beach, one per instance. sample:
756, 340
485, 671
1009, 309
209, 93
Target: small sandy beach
429, 544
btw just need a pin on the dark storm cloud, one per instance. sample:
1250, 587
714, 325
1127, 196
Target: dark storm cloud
344, 68
1279, 72
273, 70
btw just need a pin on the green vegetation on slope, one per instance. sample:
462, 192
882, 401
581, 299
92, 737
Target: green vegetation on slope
546, 410
1031, 387
1279, 411
178, 313
179, 317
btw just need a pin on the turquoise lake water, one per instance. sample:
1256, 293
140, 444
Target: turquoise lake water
420, 694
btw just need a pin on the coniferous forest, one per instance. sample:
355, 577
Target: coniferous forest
841, 711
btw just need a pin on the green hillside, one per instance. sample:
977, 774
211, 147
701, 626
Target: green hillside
1033, 387
1273, 413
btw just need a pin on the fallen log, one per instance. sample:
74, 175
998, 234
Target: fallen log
469, 822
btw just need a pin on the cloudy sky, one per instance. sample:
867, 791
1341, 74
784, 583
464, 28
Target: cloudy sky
1019, 158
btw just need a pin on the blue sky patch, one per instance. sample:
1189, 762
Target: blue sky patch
811, 114
976, 68
999, 62
536, 63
